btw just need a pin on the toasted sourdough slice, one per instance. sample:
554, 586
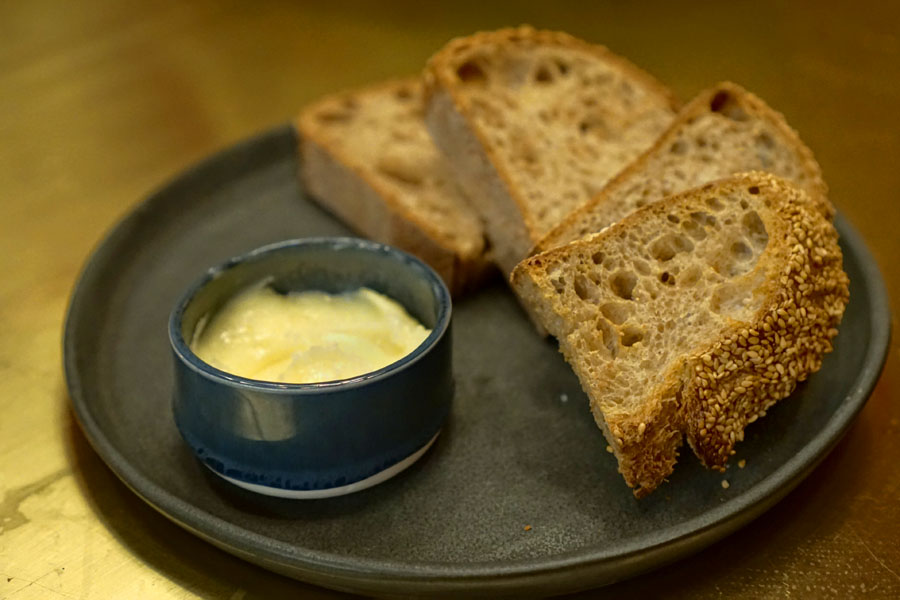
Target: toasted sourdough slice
367, 157
723, 131
692, 316
535, 123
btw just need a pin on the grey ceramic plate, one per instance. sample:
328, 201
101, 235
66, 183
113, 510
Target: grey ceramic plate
520, 447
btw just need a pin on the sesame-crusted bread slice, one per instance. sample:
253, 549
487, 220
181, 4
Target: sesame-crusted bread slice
535, 123
692, 316
367, 157
723, 131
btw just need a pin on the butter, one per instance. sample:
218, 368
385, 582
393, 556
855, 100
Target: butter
307, 337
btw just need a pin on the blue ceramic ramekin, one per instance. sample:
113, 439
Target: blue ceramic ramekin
320, 439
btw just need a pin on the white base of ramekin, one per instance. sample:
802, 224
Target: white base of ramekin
335, 491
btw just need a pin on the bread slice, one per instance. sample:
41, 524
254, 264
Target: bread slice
692, 316
535, 123
367, 157
723, 131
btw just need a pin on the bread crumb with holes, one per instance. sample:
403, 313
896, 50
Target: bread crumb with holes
689, 319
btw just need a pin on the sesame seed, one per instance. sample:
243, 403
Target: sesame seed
725, 484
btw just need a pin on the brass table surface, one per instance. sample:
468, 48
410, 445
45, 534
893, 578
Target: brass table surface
101, 101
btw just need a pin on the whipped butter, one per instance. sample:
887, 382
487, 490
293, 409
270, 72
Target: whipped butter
307, 337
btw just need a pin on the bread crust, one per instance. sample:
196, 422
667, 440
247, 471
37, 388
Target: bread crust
712, 391
342, 183
570, 228
442, 94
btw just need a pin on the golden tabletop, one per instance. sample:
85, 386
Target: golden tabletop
102, 101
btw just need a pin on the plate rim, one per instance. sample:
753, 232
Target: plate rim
348, 572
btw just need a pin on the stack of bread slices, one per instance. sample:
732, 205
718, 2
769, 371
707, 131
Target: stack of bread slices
685, 259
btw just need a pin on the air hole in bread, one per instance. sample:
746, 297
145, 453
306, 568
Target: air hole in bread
543, 75
470, 72
733, 259
741, 251
584, 287
563, 66
617, 312
609, 335
640, 266
694, 230
690, 276
744, 204
755, 229
594, 124
631, 335
597, 257
765, 141
622, 284
725, 104
704, 219
679, 147
667, 278
403, 93
753, 189
665, 247
673, 218
714, 203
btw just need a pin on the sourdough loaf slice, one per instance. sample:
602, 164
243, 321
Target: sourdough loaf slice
692, 316
723, 131
535, 123
367, 157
